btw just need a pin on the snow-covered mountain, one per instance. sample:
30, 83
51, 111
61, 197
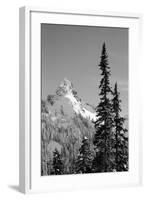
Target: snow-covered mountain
66, 96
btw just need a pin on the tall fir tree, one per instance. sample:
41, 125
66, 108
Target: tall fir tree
121, 140
104, 123
57, 163
85, 157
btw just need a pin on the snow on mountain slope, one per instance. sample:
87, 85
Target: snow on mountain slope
66, 89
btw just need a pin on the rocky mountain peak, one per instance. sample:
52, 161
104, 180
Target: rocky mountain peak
67, 96
64, 88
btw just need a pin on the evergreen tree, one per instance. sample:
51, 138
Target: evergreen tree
57, 163
104, 123
121, 141
85, 157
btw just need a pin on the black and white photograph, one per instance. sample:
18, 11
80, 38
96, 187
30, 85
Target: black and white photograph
84, 99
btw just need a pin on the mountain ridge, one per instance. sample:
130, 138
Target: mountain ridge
67, 93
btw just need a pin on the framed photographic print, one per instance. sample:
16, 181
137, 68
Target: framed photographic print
79, 111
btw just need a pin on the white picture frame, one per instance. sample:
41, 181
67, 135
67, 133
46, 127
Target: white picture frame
29, 134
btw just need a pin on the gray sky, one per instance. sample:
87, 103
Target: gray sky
73, 52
